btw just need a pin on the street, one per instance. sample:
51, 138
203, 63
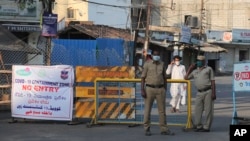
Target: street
34, 130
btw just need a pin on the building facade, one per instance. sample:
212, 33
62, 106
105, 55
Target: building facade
114, 13
22, 18
225, 23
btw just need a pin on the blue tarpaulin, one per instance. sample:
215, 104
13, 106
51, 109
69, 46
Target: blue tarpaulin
99, 52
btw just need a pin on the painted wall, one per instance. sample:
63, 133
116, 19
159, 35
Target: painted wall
80, 9
111, 16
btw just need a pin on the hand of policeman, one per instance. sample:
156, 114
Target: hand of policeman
213, 97
143, 93
192, 66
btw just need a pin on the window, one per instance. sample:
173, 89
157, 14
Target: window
71, 13
243, 55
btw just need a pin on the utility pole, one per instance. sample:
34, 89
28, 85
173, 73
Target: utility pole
202, 17
48, 8
146, 43
48, 49
202, 14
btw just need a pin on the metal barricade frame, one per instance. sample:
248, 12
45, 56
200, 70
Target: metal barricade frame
96, 118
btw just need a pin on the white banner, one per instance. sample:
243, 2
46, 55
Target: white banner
242, 77
42, 92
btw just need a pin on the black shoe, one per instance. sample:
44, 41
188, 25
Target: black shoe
201, 130
205, 130
168, 133
148, 133
198, 129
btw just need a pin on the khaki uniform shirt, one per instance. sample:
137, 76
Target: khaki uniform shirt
154, 73
202, 78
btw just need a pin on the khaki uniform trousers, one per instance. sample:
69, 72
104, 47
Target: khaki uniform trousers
204, 102
160, 96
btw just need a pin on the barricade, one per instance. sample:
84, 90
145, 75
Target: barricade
85, 90
119, 101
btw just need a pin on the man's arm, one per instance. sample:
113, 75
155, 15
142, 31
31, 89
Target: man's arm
189, 71
143, 77
170, 68
165, 78
212, 84
213, 89
143, 92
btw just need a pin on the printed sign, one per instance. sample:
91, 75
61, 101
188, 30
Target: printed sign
49, 25
42, 92
242, 77
20, 10
241, 35
22, 28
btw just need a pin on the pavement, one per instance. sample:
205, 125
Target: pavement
34, 130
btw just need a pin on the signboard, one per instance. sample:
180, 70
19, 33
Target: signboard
20, 10
42, 92
241, 35
185, 34
218, 36
22, 28
49, 25
242, 77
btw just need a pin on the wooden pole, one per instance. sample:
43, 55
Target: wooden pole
146, 43
48, 50
201, 25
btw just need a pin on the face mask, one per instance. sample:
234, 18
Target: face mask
156, 57
199, 64
177, 63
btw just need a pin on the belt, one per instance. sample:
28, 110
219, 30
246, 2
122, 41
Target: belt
204, 90
155, 86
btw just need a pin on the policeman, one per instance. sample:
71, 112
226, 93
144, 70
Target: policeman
205, 84
153, 85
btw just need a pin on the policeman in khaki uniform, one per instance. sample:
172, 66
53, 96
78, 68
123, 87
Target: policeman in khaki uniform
204, 82
153, 85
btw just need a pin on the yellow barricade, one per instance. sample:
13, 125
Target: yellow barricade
113, 112
85, 104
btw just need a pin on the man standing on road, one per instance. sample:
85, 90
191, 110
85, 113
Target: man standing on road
205, 84
153, 86
177, 90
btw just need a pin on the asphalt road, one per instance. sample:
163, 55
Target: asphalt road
33, 130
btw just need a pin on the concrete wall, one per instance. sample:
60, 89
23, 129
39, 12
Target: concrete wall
81, 9
111, 16
219, 14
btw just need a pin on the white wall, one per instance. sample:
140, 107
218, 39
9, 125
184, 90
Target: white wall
111, 16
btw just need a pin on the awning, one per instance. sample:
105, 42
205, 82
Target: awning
206, 47
10, 42
160, 43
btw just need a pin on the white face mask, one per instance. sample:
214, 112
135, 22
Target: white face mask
156, 57
177, 63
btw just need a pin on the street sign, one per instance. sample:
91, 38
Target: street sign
49, 25
185, 34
